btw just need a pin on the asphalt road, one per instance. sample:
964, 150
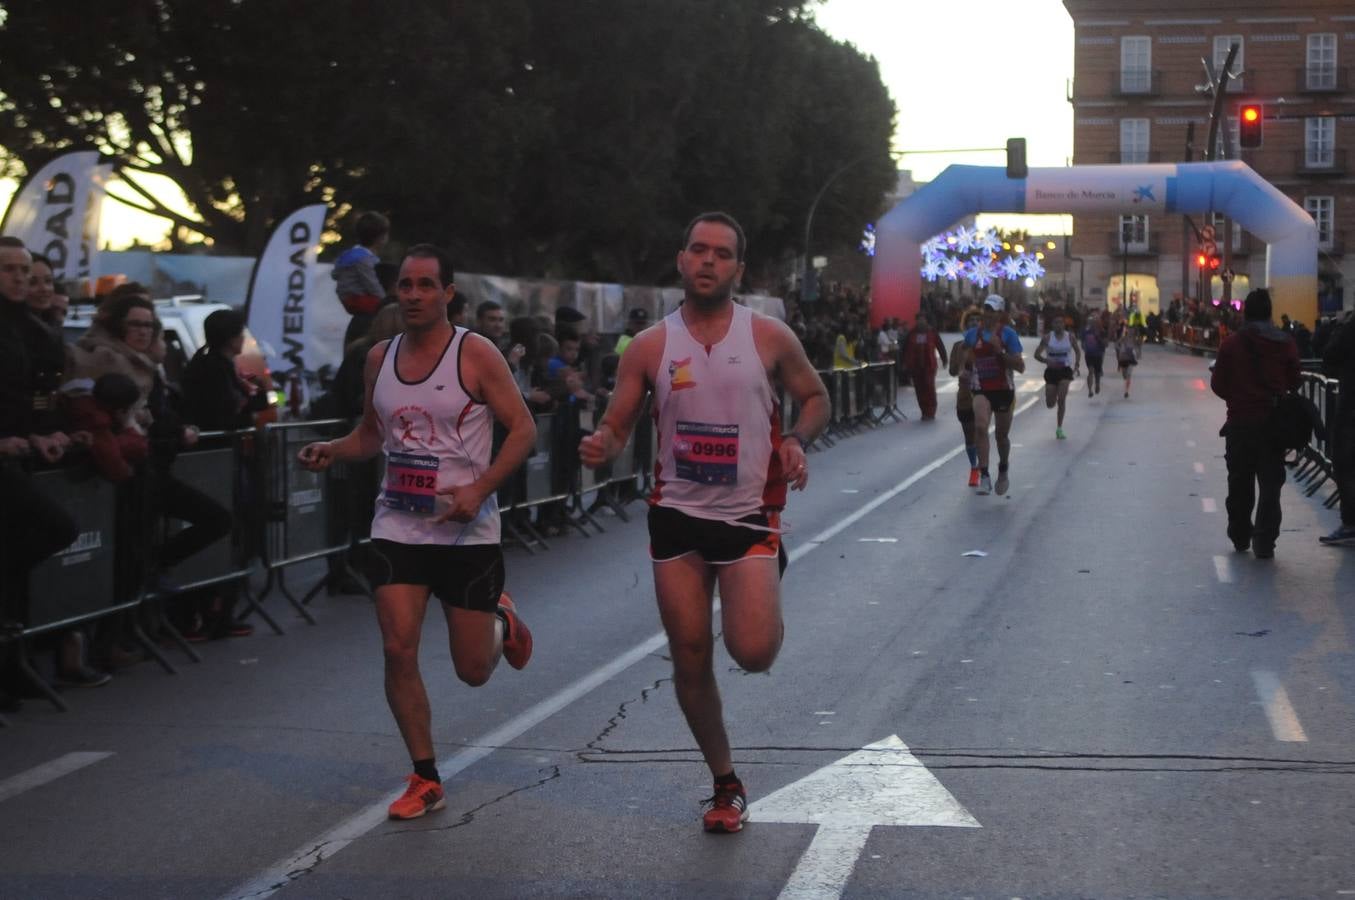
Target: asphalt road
1109, 703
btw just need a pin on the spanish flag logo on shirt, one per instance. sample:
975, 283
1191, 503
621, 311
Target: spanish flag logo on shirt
679, 370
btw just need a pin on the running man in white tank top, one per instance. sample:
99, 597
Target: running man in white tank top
433, 394
1061, 354
721, 479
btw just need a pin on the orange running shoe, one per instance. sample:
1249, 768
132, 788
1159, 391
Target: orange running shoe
728, 809
973, 477
422, 796
517, 637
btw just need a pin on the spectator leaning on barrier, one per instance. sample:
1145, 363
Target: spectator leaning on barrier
32, 527
1338, 360
216, 397
1254, 365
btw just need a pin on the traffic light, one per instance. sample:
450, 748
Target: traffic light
1250, 125
1016, 158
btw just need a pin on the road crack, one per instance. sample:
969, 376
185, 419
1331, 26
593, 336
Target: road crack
467, 817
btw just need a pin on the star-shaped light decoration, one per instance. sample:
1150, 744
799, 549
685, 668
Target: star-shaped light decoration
981, 272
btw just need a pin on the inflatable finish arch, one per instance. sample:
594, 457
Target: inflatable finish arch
1229, 187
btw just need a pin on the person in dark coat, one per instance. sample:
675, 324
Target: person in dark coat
1255, 364
1338, 360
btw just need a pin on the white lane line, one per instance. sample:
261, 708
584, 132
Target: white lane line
1223, 568
1199, 468
1284, 722
300, 862
1208, 504
48, 772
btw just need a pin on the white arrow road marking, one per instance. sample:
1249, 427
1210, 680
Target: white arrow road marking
881, 784
51, 771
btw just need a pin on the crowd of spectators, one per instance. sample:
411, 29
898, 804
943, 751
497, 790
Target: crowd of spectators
103, 403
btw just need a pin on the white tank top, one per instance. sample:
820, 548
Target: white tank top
1058, 353
435, 435
719, 425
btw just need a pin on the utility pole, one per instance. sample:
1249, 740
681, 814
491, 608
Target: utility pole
1219, 87
1186, 227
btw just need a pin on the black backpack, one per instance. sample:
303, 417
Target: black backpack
1294, 419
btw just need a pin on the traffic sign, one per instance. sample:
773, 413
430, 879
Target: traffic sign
1209, 248
1207, 233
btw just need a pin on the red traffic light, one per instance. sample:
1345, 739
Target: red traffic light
1214, 263
1250, 122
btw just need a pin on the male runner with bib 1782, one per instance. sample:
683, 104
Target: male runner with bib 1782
432, 396
720, 480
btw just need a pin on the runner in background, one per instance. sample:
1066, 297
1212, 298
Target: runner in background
995, 351
964, 395
922, 346
1094, 347
1127, 355
1057, 349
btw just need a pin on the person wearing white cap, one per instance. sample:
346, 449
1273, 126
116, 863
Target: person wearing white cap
995, 353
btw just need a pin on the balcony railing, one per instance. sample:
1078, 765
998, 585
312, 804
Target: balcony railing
1148, 246
1137, 83
1330, 163
1323, 79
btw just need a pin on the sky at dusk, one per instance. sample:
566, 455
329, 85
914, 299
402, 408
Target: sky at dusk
968, 79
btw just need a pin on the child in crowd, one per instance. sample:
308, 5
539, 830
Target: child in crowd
359, 289
116, 447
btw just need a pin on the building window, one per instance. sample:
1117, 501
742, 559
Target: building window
1323, 210
1133, 140
1319, 143
1221, 44
1321, 72
1136, 65
1133, 236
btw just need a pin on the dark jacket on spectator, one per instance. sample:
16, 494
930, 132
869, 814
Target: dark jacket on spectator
1249, 393
213, 397
1338, 356
16, 387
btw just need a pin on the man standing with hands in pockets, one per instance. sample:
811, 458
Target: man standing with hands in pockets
721, 478
432, 396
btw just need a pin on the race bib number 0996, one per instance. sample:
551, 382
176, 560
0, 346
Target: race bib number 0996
707, 454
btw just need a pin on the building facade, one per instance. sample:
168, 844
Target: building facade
1139, 92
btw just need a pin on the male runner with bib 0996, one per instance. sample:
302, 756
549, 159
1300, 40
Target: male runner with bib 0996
720, 481
432, 396
994, 351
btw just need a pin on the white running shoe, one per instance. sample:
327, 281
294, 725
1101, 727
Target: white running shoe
985, 485
1002, 483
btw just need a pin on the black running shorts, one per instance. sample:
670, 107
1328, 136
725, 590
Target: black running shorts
1000, 401
673, 534
466, 577
1126, 364
1094, 362
1055, 375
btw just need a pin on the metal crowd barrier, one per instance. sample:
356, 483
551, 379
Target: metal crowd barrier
1316, 462
863, 397
221, 465
298, 521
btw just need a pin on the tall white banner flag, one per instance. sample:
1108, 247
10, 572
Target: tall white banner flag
48, 211
87, 265
281, 288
